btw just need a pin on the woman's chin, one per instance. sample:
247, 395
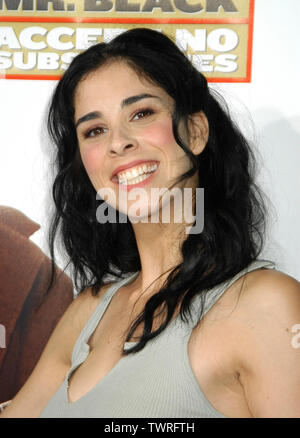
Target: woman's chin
141, 216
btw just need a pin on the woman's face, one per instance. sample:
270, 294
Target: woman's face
124, 130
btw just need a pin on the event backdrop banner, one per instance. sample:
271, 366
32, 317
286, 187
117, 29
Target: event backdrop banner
39, 38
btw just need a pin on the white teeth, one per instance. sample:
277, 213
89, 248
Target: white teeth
134, 175
137, 180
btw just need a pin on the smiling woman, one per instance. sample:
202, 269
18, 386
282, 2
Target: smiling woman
134, 114
111, 127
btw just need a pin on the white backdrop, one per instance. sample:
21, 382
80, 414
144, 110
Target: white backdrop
271, 100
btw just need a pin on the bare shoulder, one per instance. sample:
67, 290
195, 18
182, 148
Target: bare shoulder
266, 325
71, 324
265, 289
55, 360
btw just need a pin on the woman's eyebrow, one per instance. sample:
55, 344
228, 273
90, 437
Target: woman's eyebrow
86, 117
133, 99
128, 101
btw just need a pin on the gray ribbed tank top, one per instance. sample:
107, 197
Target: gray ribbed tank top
156, 382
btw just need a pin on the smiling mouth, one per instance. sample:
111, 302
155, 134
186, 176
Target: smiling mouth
136, 175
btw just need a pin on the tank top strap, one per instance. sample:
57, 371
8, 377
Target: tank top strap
211, 296
81, 346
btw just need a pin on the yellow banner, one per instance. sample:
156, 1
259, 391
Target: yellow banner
39, 38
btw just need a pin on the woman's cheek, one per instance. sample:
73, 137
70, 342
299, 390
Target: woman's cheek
91, 158
160, 134
92, 161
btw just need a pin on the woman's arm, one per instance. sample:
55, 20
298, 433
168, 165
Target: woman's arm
270, 353
54, 362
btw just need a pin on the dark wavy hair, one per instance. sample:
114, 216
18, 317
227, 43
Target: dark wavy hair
234, 213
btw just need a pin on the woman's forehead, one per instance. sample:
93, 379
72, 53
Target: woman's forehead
117, 79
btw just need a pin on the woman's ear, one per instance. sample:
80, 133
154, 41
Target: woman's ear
198, 132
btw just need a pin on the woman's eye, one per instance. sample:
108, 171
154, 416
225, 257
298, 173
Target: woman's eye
94, 132
142, 114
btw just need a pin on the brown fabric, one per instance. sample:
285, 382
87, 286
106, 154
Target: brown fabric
28, 315
17, 221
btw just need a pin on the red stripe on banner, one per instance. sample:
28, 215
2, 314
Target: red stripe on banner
250, 40
41, 77
231, 80
128, 20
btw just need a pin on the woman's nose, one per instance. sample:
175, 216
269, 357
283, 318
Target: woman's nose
121, 141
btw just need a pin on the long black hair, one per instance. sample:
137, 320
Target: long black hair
234, 213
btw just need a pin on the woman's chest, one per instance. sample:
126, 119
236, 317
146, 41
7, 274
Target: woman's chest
207, 353
207, 357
